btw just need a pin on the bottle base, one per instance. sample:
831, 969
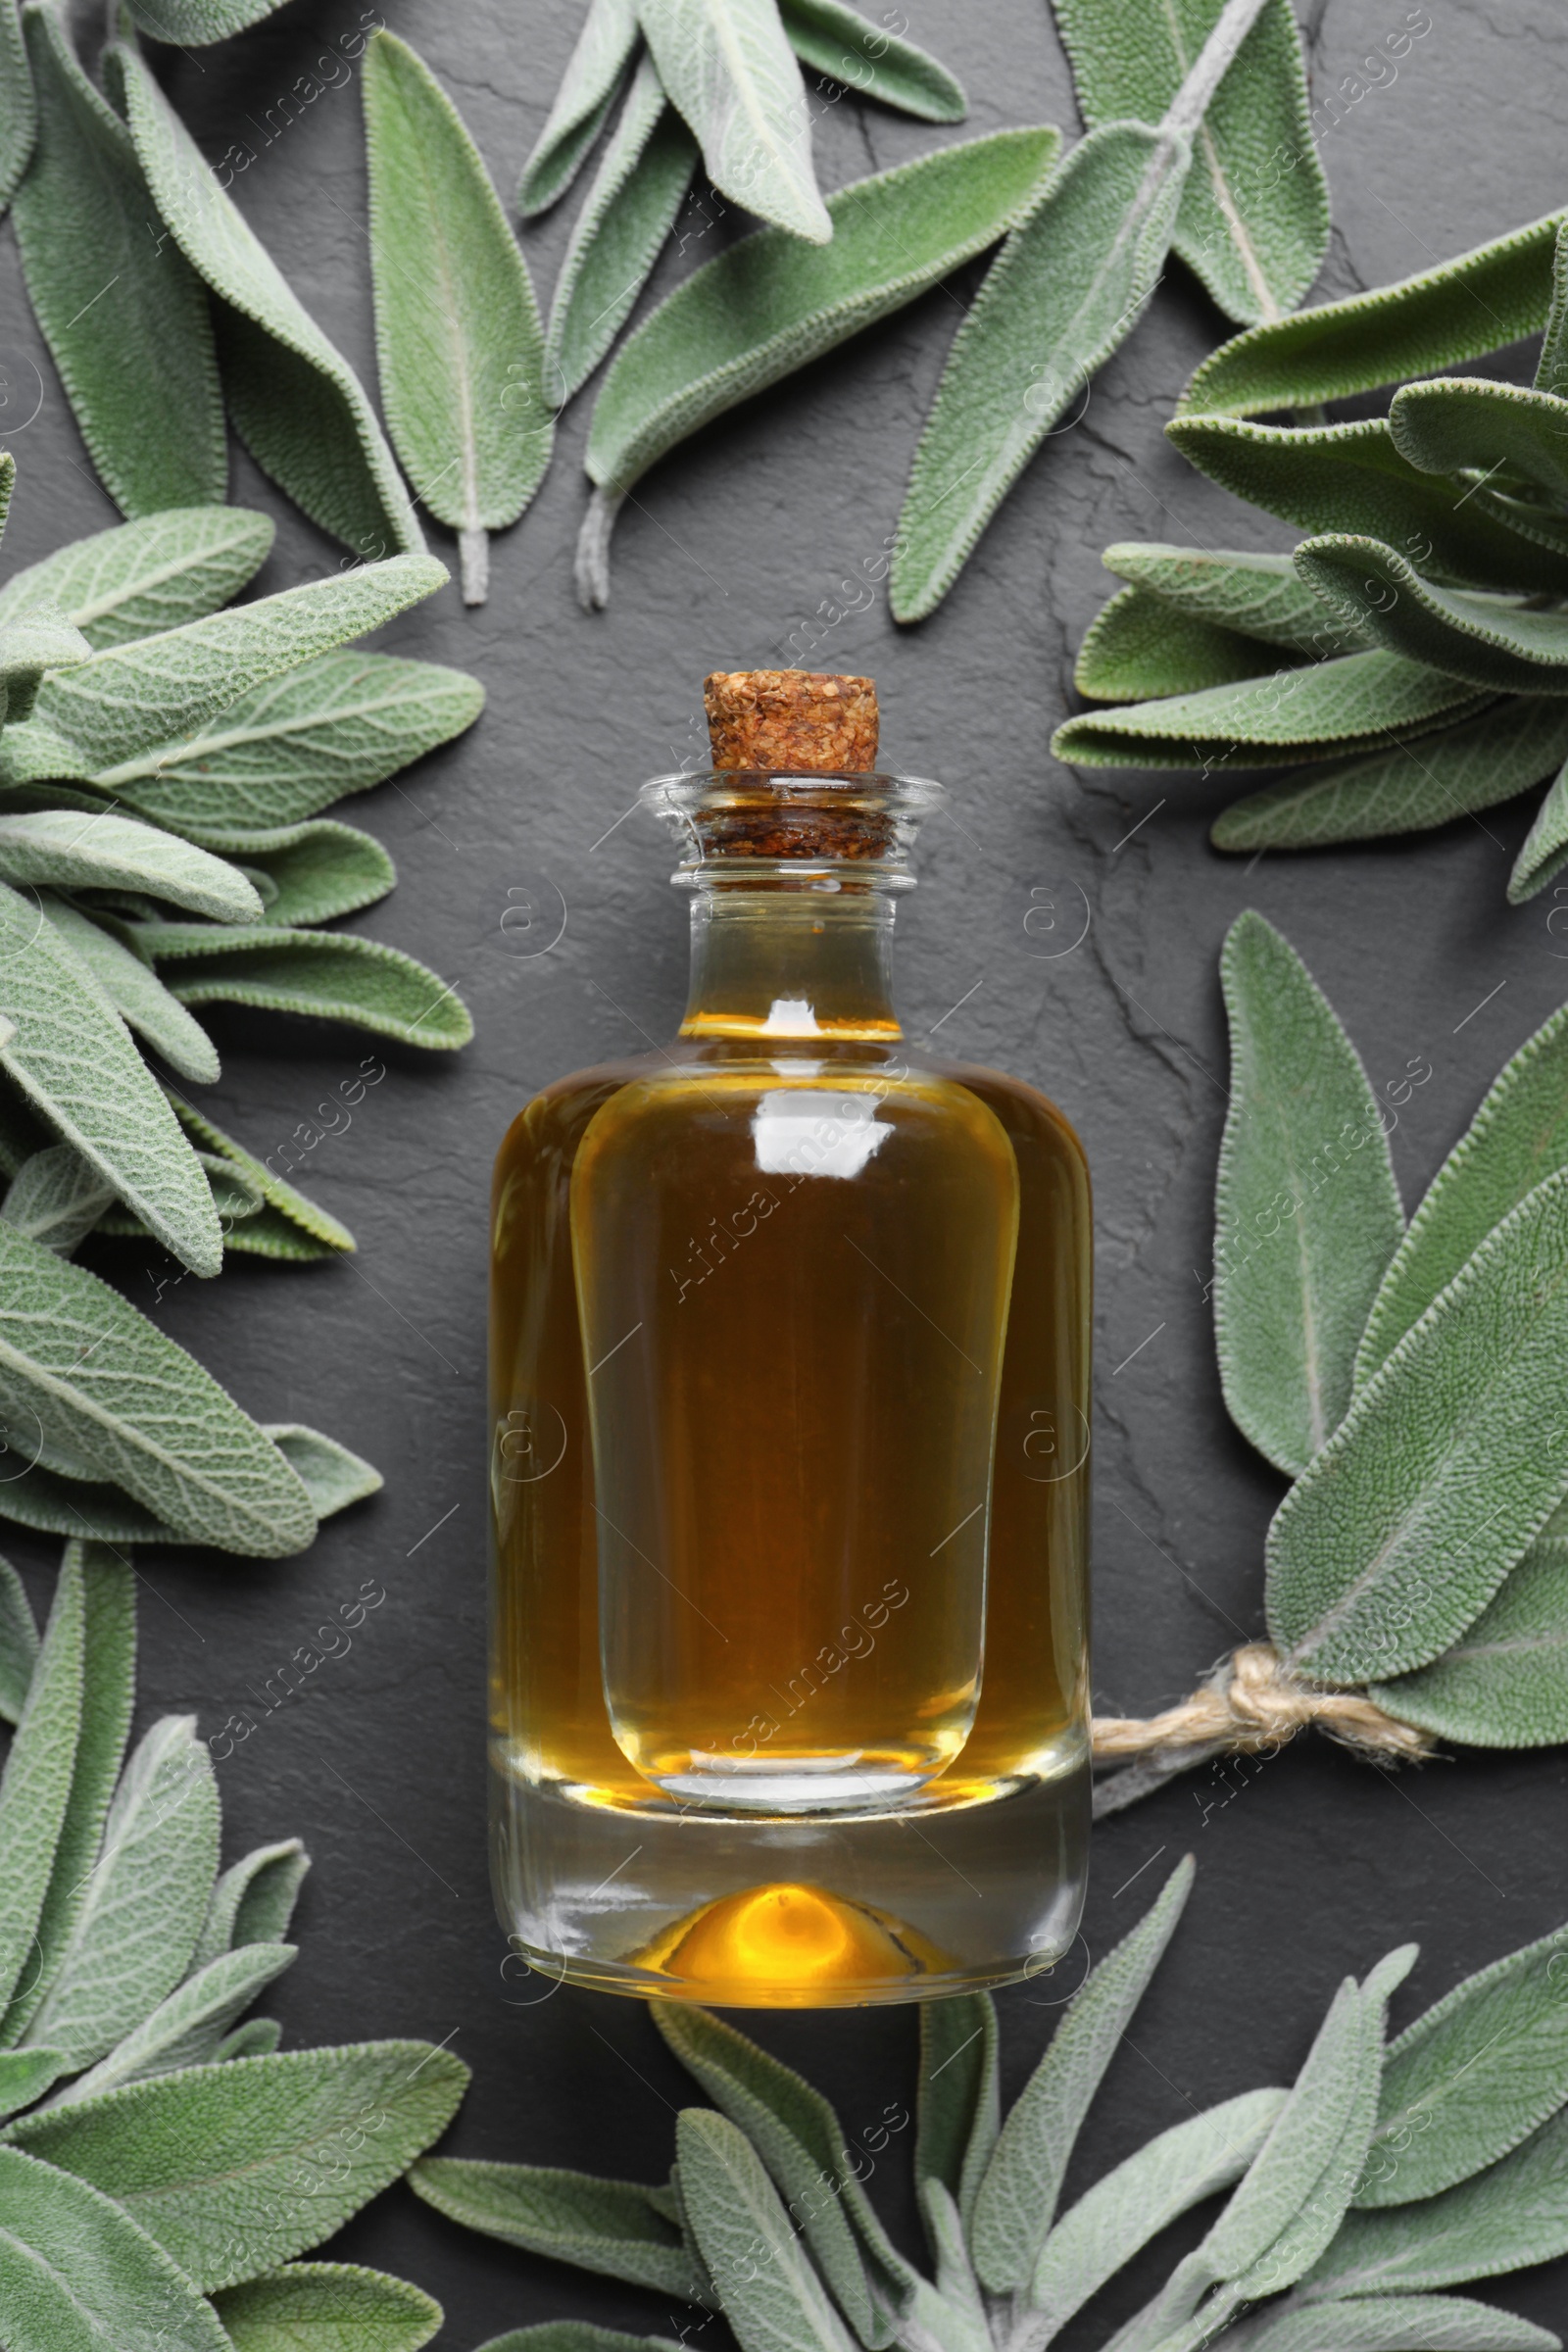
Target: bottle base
742, 1910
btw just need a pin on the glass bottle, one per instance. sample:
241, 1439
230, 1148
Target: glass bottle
790, 1341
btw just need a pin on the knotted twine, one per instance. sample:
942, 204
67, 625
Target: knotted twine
1251, 1703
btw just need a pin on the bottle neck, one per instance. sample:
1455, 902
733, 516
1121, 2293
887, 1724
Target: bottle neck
788, 962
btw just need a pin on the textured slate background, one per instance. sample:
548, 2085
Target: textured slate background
1310, 1866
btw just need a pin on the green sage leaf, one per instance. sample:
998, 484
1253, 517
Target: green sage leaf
1302, 713
186, 2028
1253, 228
189, 23
1517, 1138
331, 1474
26, 2075
958, 2112
55, 1197
35, 1788
138, 580
1308, 1211
19, 108
330, 975
1353, 478
124, 317
604, 2226
1070, 283
772, 2297
1405, 790
253, 1901
1138, 648
1504, 1682
146, 1897
874, 63
1017, 2198
108, 1678
1472, 2077
595, 73
1458, 311
316, 871
288, 1212
1166, 2177
57, 1504
256, 2037
1399, 2323
135, 992
77, 2276
629, 210
235, 2169
296, 403
336, 2305
1257, 596
457, 327
1481, 638
19, 1644
771, 304
1461, 423
72, 1057
1546, 849
107, 1381
34, 637
1442, 1472
729, 67
107, 852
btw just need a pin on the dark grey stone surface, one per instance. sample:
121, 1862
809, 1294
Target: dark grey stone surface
1310, 1866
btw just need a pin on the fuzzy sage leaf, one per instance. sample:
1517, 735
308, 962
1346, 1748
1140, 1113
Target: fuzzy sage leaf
594, 72
610, 2227
330, 975
729, 67
333, 2304
138, 580
1504, 1682
875, 62
76, 2274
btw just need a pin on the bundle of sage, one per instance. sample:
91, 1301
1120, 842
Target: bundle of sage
163, 2162
1390, 2171
1409, 1380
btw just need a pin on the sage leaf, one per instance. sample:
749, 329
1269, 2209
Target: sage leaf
1545, 848
772, 2297
280, 753
256, 2037
287, 1212
1256, 240
1444, 1469
26, 2075
730, 69
19, 1644
18, 110
771, 304
956, 2311
106, 851
629, 210
101, 1376
124, 317
330, 975
1472, 2078
333, 2304
1474, 423
190, 24
1138, 648
572, 2336
36, 1786
332, 1476
138, 580
958, 2113
74, 1058
457, 327
61, 1505
802, 2142
296, 403
235, 2169
1166, 2177
1293, 714
56, 1199
594, 72
1405, 790
119, 716
1399, 2323
1257, 596
1504, 1682
78, 2274
253, 1901
1353, 478
1506, 647
316, 871
187, 2026
1308, 1211
1513, 2214
604, 2226
146, 1898
874, 63
1517, 1138
107, 1677
1017, 2198
36, 638
1458, 311
1071, 282
135, 992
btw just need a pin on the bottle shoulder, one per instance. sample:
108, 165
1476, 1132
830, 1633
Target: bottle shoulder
1027, 1114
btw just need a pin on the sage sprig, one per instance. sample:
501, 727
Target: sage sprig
1393, 2170
163, 2164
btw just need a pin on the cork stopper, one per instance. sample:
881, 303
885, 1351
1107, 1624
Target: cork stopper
791, 721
